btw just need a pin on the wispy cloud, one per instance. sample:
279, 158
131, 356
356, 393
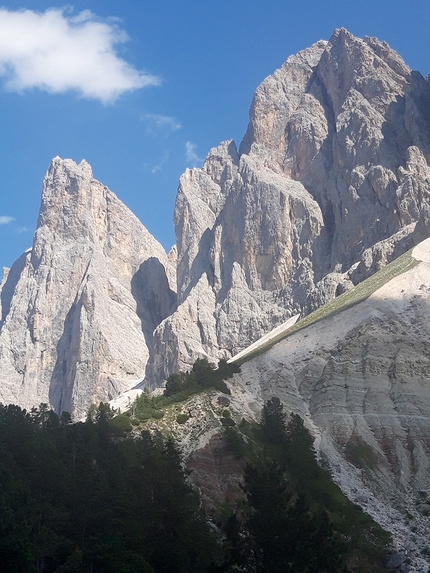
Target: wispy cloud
191, 156
6, 220
56, 52
155, 122
22, 230
162, 162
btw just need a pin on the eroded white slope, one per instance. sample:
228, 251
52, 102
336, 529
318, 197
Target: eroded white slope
361, 380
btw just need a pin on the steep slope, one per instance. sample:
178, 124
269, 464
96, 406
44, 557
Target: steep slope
331, 183
358, 373
79, 308
360, 378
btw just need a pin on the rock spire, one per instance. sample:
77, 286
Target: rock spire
79, 308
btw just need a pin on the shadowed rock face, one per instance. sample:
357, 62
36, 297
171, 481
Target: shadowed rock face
331, 183
79, 308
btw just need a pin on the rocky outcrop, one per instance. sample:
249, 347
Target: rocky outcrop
331, 182
79, 308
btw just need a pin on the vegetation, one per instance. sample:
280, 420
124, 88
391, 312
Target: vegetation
202, 376
101, 496
76, 498
181, 386
295, 517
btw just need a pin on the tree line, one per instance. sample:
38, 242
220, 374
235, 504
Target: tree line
84, 497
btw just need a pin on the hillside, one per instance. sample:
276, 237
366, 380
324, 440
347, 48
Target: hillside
356, 370
359, 377
321, 212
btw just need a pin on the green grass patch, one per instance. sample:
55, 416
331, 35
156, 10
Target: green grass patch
361, 455
180, 387
182, 418
344, 301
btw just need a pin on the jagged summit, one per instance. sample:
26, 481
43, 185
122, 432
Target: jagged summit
79, 309
330, 183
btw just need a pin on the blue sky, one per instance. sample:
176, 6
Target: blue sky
143, 89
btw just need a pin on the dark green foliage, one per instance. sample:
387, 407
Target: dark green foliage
179, 387
235, 441
238, 547
76, 498
87, 497
287, 537
227, 369
295, 518
202, 376
120, 425
146, 406
273, 420
179, 382
182, 418
226, 419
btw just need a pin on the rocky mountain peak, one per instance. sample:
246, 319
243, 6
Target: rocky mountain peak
330, 183
80, 307
67, 195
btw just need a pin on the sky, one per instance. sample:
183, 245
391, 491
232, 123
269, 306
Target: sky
144, 89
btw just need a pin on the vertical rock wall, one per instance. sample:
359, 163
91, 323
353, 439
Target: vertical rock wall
331, 183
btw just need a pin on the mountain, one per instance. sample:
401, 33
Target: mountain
356, 370
330, 184
323, 211
79, 308
359, 377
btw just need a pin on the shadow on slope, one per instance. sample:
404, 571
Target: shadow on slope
8, 289
154, 298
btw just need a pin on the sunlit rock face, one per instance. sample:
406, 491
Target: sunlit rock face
79, 308
331, 182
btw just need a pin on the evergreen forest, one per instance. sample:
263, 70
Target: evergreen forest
90, 497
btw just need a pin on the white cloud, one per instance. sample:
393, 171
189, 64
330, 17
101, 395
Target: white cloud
191, 156
160, 122
57, 53
5, 220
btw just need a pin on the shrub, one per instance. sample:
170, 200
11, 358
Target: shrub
182, 418
226, 420
120, 425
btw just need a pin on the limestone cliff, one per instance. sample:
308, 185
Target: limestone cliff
331, 182
79, 308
